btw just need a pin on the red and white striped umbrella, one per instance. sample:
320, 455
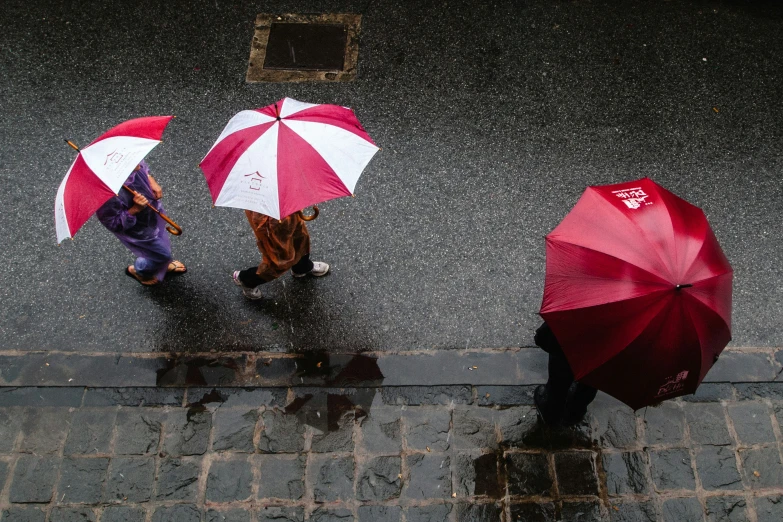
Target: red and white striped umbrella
287, 156
100, 169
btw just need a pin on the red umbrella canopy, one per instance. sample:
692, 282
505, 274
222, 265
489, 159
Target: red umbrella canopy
637, 292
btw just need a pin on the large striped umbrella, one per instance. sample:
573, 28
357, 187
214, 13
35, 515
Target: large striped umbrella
99, 171
287, 156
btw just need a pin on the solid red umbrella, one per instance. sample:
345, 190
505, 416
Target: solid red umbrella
637, 292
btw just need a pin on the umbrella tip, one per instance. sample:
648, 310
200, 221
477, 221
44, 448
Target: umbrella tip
680, 287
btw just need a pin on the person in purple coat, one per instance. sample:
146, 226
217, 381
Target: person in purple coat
140, 229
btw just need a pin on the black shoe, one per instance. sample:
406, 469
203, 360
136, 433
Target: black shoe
545, 413
572, 418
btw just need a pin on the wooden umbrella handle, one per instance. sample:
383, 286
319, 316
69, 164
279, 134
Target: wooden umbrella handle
174, 229
310, 218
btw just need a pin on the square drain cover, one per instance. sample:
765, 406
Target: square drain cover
296, 48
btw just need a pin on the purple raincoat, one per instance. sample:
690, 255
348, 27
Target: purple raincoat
145, 233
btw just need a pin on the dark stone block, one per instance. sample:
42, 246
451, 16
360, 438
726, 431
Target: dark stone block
229, 480
479, 512
134, 397
768, 509
477, 475
581, 512
426, 395
123, 514
200, 371
431, 513
711, 392
66, 514
742, 366
234, 430
707, 424
429, 477
531, 512
138, 431
761, 390
187, 432
282, 433
625, 473
379, 479
281, 514
81, 480
717, 468
633, 512
576, 473
41, 397
44, 430
761, 467
178, 479
323, 514
252, 398
664, 424
33, 479
474, 429
681, 509
178, 513
528, 474
427, 429
130, 479
332, 478
614, 426
505, 396
90, 432
332, 441
281, 476
23, 514
10, 425
518, 426
727, 509
3, 471
381, 431
752, 422
228, 515
671, 469
380, 513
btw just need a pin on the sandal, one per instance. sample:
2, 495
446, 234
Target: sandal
176, 267
131, 272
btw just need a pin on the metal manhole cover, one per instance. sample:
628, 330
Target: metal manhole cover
296, 48
306, 46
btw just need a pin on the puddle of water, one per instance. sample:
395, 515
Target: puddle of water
198, 371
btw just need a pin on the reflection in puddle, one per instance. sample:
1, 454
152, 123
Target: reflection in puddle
323, 409
199, 371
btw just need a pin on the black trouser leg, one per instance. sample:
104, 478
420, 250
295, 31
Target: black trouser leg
249, 278
303, 266
558, 384
580, 398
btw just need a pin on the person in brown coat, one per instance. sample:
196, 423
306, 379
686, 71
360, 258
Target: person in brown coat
284, 245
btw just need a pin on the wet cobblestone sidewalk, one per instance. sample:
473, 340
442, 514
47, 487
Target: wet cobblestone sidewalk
451, 453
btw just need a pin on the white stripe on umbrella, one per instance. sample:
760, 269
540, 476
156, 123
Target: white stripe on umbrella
242, 120
114, 158
290, 106
252, 182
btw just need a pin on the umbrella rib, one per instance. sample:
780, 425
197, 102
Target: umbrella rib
663, 281
641, 232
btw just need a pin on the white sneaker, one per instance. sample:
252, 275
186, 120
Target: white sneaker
319, 269
250, 293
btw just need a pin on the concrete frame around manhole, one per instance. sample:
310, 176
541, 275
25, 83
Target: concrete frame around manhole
256, 71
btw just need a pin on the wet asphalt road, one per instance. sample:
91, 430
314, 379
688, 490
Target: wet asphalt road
492, 119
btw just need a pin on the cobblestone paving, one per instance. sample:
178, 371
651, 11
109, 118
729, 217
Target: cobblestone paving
452, 453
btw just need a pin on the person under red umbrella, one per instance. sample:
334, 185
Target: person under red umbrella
140, 229
560, 402
637, 293
284, 245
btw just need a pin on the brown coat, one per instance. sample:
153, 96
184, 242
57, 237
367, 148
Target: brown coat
281, 243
